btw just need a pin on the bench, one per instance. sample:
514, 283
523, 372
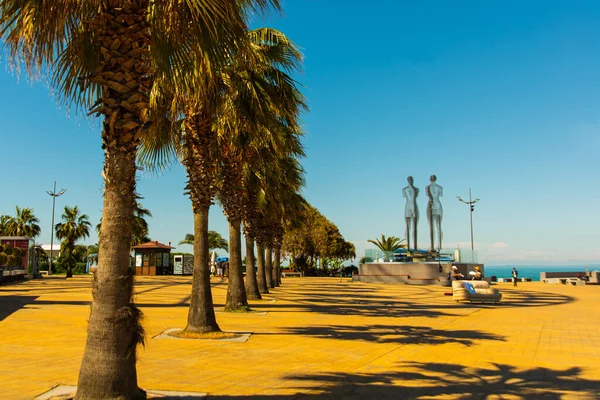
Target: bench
559, 277
290, 272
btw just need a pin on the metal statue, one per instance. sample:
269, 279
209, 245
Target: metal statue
434, 212
411, 212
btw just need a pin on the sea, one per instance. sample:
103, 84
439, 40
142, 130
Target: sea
533, 271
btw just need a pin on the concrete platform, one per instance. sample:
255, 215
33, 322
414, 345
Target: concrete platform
412, 273
323, 339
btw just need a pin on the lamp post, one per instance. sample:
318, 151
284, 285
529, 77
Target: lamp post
471, 204
54, 196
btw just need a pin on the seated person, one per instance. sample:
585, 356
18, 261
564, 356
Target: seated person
477, 276
457, 276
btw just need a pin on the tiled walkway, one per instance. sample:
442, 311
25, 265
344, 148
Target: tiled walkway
323, 338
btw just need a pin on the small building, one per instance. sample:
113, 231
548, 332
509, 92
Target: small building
153, 258
52, 251
27, 244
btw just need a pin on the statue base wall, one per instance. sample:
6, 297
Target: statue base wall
411, 273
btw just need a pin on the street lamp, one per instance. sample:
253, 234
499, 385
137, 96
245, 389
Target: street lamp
54, 196
471, 204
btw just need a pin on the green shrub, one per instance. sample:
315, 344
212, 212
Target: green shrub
79, 269
8, 250
3, 259
58, 266
13, 261
18, 252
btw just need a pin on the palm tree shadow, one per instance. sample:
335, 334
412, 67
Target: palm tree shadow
415, 380
393, 334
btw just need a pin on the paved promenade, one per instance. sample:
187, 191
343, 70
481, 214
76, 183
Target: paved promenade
322, 338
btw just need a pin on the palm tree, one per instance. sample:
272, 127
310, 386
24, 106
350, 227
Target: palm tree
388, 245
140, 225
92, 249
74, 226
283, 181
215, 241
198, 149
24, 223
5, 221
261, 102
107, 56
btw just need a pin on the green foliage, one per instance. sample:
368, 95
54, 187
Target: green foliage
11, 256
24, 223
79, 269
5, 221
13, 261
365, 260
18, 252
350, 270
389, 244
8, 250
74, 226
313, 236
215, 241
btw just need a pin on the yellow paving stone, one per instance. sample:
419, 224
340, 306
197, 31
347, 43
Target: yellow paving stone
322, 338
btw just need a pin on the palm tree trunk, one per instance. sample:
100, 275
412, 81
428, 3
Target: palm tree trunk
201, 316
277, 266
108, 368
262, 275
252, 292
236, 293
274, 270
69, 259
269, 266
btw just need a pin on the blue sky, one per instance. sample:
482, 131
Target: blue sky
499, 97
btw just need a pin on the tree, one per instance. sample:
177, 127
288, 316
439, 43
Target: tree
140, 225
281, 183
215, 241
24, 223
262, 103
389, 244
73, 227
11, 256
202, 154
106, 57
5, 221
311, 236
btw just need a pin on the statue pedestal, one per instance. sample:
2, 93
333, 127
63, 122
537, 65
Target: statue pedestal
411, 273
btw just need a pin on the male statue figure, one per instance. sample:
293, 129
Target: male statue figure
411, 212
434, 211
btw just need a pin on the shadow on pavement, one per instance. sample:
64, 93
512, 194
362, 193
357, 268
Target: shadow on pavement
11, 304
393, 334
439, 380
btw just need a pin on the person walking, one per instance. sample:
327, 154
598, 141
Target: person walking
515, 276
220, 269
